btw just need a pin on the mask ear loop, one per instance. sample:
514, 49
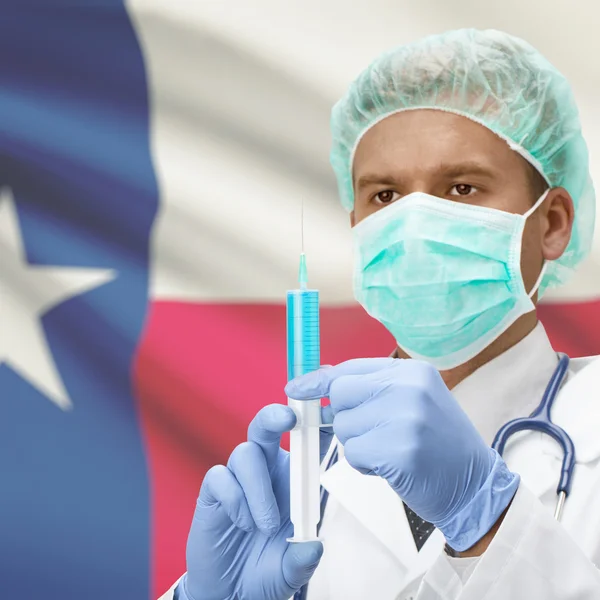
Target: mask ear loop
525, 216
534, 289
539, 202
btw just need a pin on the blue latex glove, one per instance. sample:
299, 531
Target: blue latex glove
397, 419
237, 546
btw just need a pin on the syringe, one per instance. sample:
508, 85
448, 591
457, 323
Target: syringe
303, 356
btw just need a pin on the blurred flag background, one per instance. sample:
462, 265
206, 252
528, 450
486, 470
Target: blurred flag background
153, 158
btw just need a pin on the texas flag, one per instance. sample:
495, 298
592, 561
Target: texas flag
151, 180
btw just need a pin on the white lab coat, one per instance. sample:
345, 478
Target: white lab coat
369, 548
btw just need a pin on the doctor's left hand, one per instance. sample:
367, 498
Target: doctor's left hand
397, 419
237, 546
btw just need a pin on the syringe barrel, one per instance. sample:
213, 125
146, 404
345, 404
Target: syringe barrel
303, 356
303, 345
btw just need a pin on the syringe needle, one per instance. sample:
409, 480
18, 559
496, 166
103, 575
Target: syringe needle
302, 273
302, 224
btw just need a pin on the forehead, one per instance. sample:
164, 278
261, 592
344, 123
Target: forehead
419, 141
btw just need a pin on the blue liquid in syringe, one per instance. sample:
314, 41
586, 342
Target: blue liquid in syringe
303, 336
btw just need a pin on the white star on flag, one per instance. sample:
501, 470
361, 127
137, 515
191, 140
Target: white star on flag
27, 292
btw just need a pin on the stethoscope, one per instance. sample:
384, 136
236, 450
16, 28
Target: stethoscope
539, 420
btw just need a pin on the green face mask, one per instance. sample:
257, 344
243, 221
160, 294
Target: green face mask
443, 277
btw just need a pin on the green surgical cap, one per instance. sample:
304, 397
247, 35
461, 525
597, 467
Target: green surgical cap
495, 79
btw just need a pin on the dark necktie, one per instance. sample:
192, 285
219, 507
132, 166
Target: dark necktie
420, 529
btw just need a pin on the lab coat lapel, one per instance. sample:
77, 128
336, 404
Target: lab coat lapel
536, 456
577, 410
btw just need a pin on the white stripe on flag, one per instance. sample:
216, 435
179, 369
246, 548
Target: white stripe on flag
238, 141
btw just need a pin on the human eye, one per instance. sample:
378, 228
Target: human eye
386, 197
462, 189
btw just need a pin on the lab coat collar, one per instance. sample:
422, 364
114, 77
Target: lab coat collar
490, 398
509, 386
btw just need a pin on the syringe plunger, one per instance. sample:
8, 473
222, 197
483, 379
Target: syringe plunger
305, 470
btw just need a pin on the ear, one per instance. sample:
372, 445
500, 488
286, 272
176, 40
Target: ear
556, 223
352, 219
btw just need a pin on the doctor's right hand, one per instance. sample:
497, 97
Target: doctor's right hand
237, 544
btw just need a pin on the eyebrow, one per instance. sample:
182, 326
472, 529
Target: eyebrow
375, 179
466, 168
446, 170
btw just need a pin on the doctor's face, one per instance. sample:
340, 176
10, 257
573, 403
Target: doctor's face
452, 157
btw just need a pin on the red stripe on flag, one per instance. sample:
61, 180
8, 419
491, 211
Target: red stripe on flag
573, 328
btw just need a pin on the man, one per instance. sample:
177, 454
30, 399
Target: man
461, 162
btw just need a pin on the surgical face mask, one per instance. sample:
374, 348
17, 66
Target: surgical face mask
443, 277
